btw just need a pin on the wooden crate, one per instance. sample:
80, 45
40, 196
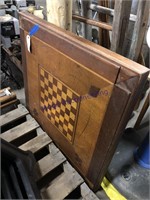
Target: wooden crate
80, 93
55, 177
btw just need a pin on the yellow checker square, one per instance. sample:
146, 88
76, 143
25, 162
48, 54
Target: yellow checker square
45, 105
42, 95
69, 137
59, 85
52, 120
46, 81
50, 91
68, 106
55, 89
62, 107
61, 118
58, 109
54, 100
42, 72
66, 117
58, 97
72, 116
49, 111
50, 78
64, 96
50, 102
74, 105
46, 93
53, 111
56, 119
70, 127
69, 93
65, 127
42, 84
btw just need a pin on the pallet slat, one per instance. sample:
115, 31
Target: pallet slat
86, 193
8, 103
19, 130
13, 115
36, 143
63, 185
49, 162
120, 24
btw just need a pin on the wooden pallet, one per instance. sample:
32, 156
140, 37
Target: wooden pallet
56, 178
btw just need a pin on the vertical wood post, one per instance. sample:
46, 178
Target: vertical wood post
59, 12
139, 29
120, 24
86, 12
104, 39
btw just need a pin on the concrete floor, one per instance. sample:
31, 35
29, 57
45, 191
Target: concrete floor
124, 173
21, 96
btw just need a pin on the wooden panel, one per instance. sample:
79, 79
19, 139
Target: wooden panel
13, 115
118, 104
81, 87
82, 96
53, 34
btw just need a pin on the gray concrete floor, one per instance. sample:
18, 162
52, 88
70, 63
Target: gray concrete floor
124, 173
21, 95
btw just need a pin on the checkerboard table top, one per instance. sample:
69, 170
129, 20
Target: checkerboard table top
58, 103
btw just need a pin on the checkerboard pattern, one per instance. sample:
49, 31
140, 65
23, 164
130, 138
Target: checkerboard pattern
59, 104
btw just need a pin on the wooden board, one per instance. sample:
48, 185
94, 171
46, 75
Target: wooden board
82, 94
19, 130
13, 115
36, 143
65, 183
49, 162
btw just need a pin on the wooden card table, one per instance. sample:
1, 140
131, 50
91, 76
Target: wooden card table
80, 93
